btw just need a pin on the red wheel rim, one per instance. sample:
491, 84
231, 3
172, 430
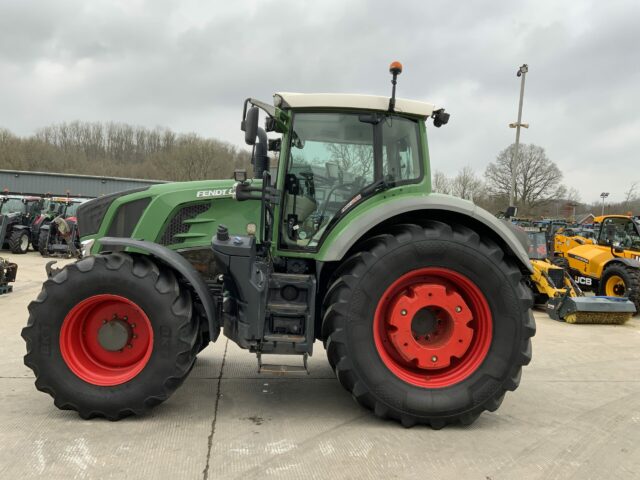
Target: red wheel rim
83, 352
433, 327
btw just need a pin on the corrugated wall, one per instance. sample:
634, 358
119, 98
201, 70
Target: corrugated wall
40, 183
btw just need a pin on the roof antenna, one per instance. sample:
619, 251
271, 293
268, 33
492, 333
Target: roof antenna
395, 69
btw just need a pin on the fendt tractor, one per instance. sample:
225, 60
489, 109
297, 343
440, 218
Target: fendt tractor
418, 298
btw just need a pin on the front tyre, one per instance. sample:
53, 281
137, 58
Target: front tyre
111, 335
620, 280
429, 324
19, 242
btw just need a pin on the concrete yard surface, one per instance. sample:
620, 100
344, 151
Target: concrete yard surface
575, 415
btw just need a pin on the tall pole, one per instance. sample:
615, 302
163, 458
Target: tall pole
603, 195
522, 73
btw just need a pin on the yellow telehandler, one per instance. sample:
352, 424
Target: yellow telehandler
611, 266
555, 291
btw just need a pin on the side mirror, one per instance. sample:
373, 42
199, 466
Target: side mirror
333, 170
251, 126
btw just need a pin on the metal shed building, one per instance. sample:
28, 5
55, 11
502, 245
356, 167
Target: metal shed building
59, 184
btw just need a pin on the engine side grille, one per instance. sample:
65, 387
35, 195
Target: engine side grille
127, 217
557, 277
177, 224
90, 214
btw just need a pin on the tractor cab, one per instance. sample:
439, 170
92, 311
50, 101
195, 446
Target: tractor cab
621, 233
336, 152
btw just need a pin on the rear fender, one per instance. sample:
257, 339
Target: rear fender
180, 265
513, 240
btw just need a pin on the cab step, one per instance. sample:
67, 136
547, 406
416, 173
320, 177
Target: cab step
283, 370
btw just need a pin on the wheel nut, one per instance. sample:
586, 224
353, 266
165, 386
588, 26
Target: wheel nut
104, 321
126, 318
129, 346
434, 359
134, 336
133, 325
403, 312
458, 310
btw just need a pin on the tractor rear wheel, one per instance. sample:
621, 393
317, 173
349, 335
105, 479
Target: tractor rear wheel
111, 335
19, 241
620, 280
429, 324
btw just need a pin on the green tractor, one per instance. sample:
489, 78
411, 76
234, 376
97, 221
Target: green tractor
17, 214
419, 299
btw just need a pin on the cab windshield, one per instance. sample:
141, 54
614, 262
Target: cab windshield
336, 160
620, 232
13, 205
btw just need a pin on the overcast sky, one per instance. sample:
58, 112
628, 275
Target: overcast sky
188, 65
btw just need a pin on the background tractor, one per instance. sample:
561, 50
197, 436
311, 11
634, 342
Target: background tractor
59, 235
48, 212
611, 266
419, 299
17, 214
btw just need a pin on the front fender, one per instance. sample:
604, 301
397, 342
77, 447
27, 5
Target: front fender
178, 263
629, 262
340, 241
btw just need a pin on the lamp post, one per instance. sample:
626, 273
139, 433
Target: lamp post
522, 73
603, 195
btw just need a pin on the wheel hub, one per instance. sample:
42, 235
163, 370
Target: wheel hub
429, 326
114, 335
433, 327
106, 339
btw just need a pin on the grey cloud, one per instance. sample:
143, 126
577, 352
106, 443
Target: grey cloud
188, 65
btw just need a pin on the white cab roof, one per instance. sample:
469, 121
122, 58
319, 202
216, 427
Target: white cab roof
342, 100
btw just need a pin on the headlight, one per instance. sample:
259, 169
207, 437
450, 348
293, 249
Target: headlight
87, 245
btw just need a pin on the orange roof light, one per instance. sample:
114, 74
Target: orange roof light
395, 68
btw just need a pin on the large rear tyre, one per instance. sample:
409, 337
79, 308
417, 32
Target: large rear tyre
19, 241
429, 324
621, 281
111, 335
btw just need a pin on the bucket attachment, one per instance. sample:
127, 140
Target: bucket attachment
604, 310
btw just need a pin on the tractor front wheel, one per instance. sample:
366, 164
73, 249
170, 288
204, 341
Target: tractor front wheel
111, 335
43, 242
19, 242
429, 324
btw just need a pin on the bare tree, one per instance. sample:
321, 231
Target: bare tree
631, 194
440, 183
537, 179
117, 149
466, 184
356, 159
